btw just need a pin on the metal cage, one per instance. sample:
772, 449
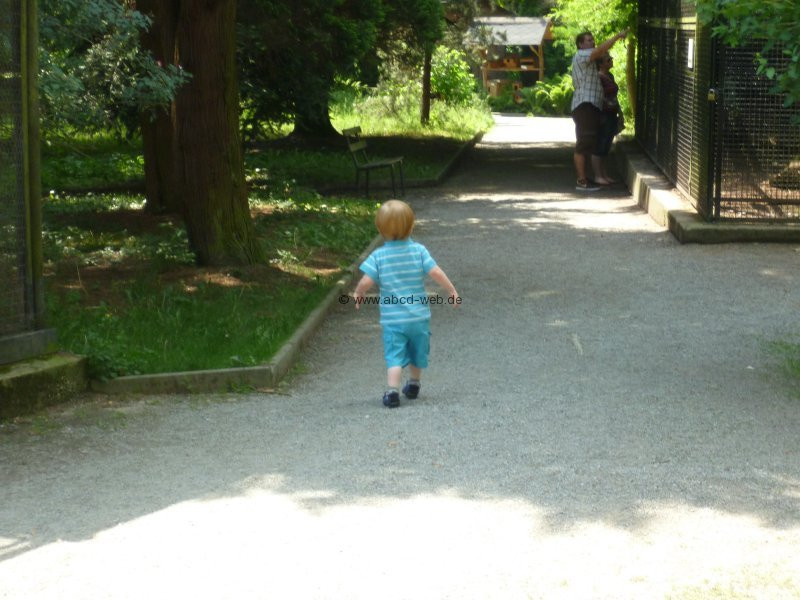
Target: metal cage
712, 123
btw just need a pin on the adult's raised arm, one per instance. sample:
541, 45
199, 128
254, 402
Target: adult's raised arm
600, 50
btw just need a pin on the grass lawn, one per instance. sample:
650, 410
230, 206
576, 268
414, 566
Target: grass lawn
122, 288
82, 165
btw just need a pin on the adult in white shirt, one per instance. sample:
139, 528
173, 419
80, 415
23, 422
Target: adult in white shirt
587, 102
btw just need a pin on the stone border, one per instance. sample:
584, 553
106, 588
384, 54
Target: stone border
655, 194
263, 376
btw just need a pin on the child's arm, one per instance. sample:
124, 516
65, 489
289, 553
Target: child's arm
362, 288
441, 278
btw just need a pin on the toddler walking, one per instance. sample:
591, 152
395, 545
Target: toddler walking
399, 268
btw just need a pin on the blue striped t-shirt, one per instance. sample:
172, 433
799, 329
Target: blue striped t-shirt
399, 268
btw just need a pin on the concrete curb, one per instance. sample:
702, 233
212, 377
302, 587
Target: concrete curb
655, 194
242, 378
29, 385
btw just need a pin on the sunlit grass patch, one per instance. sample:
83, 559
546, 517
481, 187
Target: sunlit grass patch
122, 288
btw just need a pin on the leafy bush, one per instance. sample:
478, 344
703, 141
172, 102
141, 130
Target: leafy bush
393, 106
552, 96
94, 73
549, 97
772, 25
451, 79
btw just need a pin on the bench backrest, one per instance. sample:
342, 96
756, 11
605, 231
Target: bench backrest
357, 146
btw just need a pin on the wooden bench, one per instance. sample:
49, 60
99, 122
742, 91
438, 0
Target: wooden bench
362, 162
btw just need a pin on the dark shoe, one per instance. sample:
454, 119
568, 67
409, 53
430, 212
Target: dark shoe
391, 399
584, 185
411, 390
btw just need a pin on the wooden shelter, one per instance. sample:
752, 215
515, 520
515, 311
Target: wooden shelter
500, 33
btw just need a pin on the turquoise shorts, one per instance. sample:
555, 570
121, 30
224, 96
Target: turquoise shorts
407, 344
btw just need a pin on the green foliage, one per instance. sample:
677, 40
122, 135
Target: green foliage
604, 20
524, 8
94, 74
72, 160
74, 232
549, 97
552, 96
146, 324
306, 221
392, 107
291, 53
556, 60
770, 24
416, 24
69, 171
451, 78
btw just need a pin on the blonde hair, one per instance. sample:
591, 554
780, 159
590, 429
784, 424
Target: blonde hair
395, 220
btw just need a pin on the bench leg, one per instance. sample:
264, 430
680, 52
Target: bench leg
402, 183
366, 189
394, 190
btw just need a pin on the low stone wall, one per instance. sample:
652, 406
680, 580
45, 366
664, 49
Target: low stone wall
32, 384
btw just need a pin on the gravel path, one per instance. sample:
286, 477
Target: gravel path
603, 418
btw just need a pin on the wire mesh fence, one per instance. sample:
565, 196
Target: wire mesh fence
15, 289
757, 143
711, 122
673, 119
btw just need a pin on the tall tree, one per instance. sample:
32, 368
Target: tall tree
157, 125
417, 26
291, 52
196, 150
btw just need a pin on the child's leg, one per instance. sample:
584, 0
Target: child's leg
393, 377
419, 345
411, 388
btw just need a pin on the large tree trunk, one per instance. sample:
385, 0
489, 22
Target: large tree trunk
158, 127
312, 118
425, 110
211, 173
159, 162
193, 155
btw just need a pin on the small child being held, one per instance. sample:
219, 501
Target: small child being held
399, 268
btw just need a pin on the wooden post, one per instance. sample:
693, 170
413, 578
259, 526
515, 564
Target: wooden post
540, 55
